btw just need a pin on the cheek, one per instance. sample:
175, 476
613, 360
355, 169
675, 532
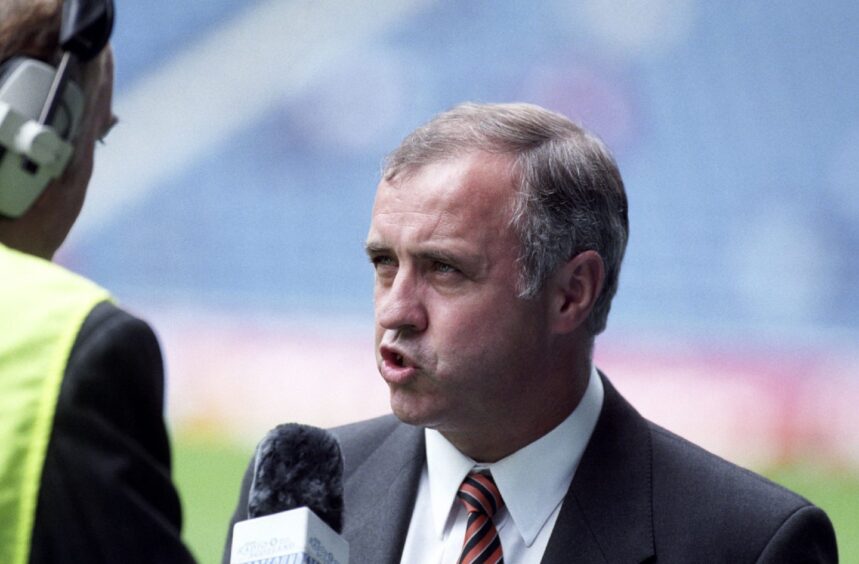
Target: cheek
463, 329
491, 332
476, 312
79, 169
76, 177
84, 167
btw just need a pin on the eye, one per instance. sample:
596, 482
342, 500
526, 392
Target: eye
444, 268
384, 265
382, 260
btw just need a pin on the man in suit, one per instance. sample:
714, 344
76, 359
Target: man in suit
497, 236
84, 452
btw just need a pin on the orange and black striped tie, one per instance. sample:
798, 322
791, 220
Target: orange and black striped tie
481, 498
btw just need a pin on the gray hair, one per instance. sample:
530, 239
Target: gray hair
570, 196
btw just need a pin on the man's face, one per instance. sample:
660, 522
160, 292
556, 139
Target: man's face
70, 190
99, 120
457, 347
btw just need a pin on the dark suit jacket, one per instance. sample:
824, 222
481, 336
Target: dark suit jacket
106, 493
640, 494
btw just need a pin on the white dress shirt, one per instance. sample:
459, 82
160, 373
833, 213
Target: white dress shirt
533, 482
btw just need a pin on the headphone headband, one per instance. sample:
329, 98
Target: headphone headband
86, 27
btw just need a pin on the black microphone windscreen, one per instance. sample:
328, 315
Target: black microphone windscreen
298, 466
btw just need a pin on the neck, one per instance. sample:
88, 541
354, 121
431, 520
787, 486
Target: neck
499, 437
14, 240
27, 234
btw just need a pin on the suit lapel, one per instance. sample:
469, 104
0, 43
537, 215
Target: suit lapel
380, 496
607, 512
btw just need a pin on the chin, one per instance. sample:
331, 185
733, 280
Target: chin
407, 415
409, 409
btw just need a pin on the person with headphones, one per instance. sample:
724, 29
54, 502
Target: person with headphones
84, 452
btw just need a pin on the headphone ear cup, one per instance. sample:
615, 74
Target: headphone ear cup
41, 109
31, 154
24, 85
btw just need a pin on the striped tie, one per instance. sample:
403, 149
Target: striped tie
481, 498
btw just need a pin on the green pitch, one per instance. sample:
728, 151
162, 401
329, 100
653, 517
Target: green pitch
837, 492
208, 474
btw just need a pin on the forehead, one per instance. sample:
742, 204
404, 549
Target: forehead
468, 191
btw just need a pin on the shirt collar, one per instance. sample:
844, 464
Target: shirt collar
533, 480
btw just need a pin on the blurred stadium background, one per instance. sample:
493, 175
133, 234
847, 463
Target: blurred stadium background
230, 205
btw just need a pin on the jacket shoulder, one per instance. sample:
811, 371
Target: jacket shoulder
701, 475
361, 439
702, 502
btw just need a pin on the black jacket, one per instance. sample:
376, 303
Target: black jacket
106, 493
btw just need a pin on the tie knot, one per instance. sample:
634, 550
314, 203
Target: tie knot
479, 494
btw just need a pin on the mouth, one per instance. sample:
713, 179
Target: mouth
394, 357
395, 366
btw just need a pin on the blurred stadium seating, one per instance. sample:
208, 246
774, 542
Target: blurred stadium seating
230, 204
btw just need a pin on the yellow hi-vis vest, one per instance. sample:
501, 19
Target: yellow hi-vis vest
42, 308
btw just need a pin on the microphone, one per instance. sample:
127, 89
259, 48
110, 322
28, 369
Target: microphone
295, 502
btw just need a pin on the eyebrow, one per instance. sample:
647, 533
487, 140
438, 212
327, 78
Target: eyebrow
435, 255
374, 249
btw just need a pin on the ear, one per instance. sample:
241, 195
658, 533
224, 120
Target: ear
575, 288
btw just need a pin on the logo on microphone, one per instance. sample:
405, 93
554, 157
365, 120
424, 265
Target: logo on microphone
320, 553
273, 547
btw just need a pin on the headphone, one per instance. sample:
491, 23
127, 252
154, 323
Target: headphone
41, 107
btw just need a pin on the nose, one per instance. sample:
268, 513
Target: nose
399, 304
